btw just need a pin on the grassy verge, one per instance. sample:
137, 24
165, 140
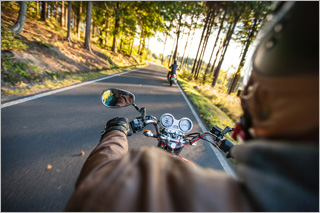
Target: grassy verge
56, 82
208, 106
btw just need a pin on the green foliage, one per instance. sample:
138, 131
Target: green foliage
32, 7
14, 71
10, 41
252, 20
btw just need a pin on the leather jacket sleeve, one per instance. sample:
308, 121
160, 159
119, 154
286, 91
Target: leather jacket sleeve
111, 147
150, 179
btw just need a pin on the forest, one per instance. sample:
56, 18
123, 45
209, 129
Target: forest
116, 25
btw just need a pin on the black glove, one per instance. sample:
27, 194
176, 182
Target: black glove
117, 123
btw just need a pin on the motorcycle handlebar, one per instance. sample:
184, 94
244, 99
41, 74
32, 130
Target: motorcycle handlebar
222, 143
137, 125
225, 145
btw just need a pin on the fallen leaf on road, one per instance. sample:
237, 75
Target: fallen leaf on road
49, 166
82, 153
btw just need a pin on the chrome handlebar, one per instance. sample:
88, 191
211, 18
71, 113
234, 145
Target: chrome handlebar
175, 141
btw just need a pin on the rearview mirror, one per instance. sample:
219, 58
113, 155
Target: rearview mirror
116, 98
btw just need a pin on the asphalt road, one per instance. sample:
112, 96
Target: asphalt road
54, 129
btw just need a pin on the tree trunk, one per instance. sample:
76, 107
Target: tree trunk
176, 48
171, 55
209, 28
18, 26
38, 9
114, 43
194, 31
164, 46
121, 43
234, 82
143, 45
56, 11
107, 30
186, 63
92, 28
69, 21
116, 29
225, 49
44, 11
88, 26
178, 35
51, 10
185, 47
217, 54
243, 58
214, 46
62, 14
131, 47
79, 11
204, 47
65, 16
140, 42
73, 19
203, 31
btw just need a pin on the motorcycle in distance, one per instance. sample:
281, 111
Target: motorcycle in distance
169, 131
172, 78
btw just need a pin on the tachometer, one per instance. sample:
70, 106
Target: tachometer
185, 124
167, 120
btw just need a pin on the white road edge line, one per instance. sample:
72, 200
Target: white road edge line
61, 90
220, 157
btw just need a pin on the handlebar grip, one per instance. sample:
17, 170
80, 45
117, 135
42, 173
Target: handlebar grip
225, 145
136, 125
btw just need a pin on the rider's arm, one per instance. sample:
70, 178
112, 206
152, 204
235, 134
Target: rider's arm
113, 145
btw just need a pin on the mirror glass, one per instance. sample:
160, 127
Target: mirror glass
117, 98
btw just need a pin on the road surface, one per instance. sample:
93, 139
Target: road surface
54, 129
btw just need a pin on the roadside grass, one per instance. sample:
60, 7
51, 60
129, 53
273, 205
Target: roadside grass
62, 80
208, 105
230, 104
10, 40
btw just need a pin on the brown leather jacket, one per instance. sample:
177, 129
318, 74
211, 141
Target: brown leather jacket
150, 179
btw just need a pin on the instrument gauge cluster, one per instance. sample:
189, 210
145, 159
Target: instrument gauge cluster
173, 125
167, 120
185, 124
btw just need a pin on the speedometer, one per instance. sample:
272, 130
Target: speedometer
167, 120
185, 124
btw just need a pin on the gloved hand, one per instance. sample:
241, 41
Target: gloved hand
117, 123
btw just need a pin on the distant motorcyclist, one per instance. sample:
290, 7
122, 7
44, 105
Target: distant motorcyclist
173, 69
277, 165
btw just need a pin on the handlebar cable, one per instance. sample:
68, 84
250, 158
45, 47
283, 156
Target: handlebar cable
202, 137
